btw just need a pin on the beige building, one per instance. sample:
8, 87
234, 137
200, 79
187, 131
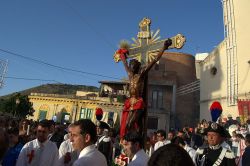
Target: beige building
225, 72
69, 108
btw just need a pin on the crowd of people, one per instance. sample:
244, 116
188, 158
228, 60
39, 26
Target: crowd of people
46, 143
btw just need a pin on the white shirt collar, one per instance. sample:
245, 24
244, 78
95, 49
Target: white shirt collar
215, 147
87, 150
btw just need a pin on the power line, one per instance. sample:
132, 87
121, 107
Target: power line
101, 36
55, 66
32, 79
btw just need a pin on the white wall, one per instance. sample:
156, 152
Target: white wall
215, 87
242, 26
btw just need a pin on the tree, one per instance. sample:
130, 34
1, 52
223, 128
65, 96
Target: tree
18, 105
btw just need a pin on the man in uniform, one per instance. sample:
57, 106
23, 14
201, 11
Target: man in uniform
104, 143
215, 154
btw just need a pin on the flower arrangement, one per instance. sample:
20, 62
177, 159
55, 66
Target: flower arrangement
121, 54
121, 160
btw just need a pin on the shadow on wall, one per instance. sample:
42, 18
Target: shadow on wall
211, 81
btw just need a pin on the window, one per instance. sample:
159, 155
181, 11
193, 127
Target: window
157, 99
111, 119
65, 117
160, 99
213, 70
42, 115
154, 99
86, 113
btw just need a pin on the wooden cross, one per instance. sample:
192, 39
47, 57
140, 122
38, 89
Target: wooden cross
145, 48
147, 44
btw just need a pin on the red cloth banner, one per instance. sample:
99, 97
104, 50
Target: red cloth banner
244, 110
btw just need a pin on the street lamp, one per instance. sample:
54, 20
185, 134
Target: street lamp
17, 102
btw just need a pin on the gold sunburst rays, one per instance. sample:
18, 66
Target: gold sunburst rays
152, 55
136, 43
155, 38
136, 56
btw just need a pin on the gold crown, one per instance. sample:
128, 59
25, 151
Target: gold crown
145, 22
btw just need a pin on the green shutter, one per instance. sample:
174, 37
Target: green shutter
42, 115
86, 113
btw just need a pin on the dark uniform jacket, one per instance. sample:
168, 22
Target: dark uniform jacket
246, 157
210, 156
104, 145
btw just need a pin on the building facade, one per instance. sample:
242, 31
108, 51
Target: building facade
225, 72
166, 108
69, 108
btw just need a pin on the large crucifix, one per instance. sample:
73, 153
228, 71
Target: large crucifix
146, 51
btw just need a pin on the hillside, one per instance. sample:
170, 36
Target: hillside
65, 89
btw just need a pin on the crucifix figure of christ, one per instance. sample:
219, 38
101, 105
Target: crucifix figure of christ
146, 52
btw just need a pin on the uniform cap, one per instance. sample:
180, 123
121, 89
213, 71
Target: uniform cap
214, 127
102, 125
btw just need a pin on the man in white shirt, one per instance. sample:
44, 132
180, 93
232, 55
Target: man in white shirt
41, 151
180, 141
67, 154
161, 138
83, 138
170, 136
132, 145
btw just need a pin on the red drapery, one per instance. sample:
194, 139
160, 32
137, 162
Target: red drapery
244, 110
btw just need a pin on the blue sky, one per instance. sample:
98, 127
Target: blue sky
83, 35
